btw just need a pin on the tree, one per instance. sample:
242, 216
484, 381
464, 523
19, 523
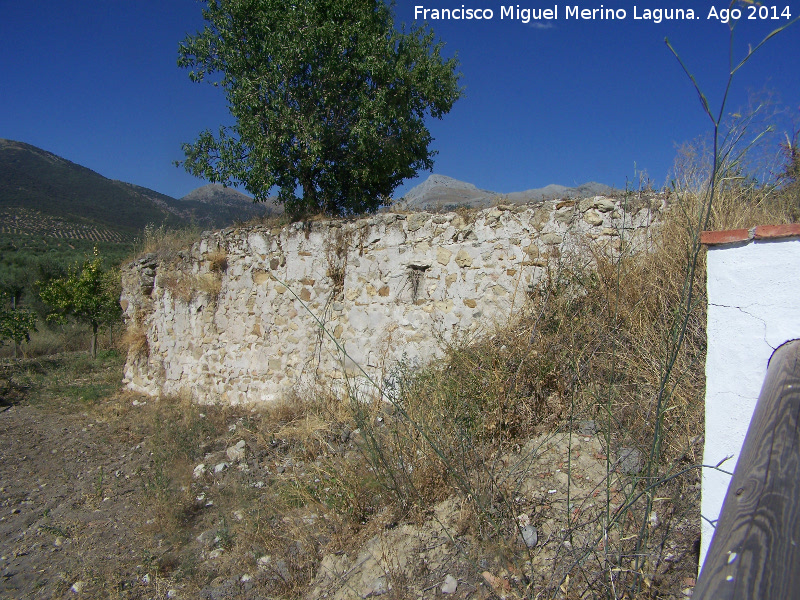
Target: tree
16, 323
328, 97
86, 293
13, 284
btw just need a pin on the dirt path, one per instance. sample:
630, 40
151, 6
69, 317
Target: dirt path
70, 509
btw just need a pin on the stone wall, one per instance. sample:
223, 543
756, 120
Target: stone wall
248, 313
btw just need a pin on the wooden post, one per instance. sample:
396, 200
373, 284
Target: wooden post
755, 551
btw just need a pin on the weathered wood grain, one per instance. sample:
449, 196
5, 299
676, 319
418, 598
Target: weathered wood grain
755, 552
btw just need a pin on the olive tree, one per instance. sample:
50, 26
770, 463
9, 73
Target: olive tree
329, 100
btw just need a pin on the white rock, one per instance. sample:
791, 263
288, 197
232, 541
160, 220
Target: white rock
551, 239
654, 522
604, 204
529, 535
450, 585
592, 217
199, 471
379, 587
77, 587
220, 467
237, 453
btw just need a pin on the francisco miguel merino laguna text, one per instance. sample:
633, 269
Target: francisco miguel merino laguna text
525, 15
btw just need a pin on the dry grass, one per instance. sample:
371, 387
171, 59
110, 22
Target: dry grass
265, 517
134, 342
608, 336
740, 202
52, 339
217, 261
336, 250
166, 243
209, 284
177, 283
185, 287
326, 473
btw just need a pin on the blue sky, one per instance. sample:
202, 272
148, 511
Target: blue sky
567, 101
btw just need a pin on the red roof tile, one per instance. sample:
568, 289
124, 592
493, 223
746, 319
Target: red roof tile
762, 232
715, 238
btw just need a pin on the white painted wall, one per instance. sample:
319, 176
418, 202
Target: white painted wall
753, 307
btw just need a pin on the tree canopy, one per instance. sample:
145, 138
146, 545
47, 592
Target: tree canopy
329, 100
88, 294
15, 323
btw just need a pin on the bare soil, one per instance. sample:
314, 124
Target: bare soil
72, 512
91, 507
72, 506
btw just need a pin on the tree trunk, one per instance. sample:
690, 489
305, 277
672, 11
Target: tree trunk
310, 202
94, 340
14, 307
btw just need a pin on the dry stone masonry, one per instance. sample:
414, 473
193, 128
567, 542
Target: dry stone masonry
247, 314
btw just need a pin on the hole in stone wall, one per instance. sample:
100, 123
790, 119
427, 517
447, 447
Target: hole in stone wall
416, 274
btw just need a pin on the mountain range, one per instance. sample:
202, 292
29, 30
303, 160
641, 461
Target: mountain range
440, 192
47, 195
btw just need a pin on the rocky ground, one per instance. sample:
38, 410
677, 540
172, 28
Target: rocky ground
105, 494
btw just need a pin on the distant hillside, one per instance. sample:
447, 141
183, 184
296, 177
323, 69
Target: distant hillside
225, 204
39, 181
438, 191
442, 192
47, 195
216, 193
